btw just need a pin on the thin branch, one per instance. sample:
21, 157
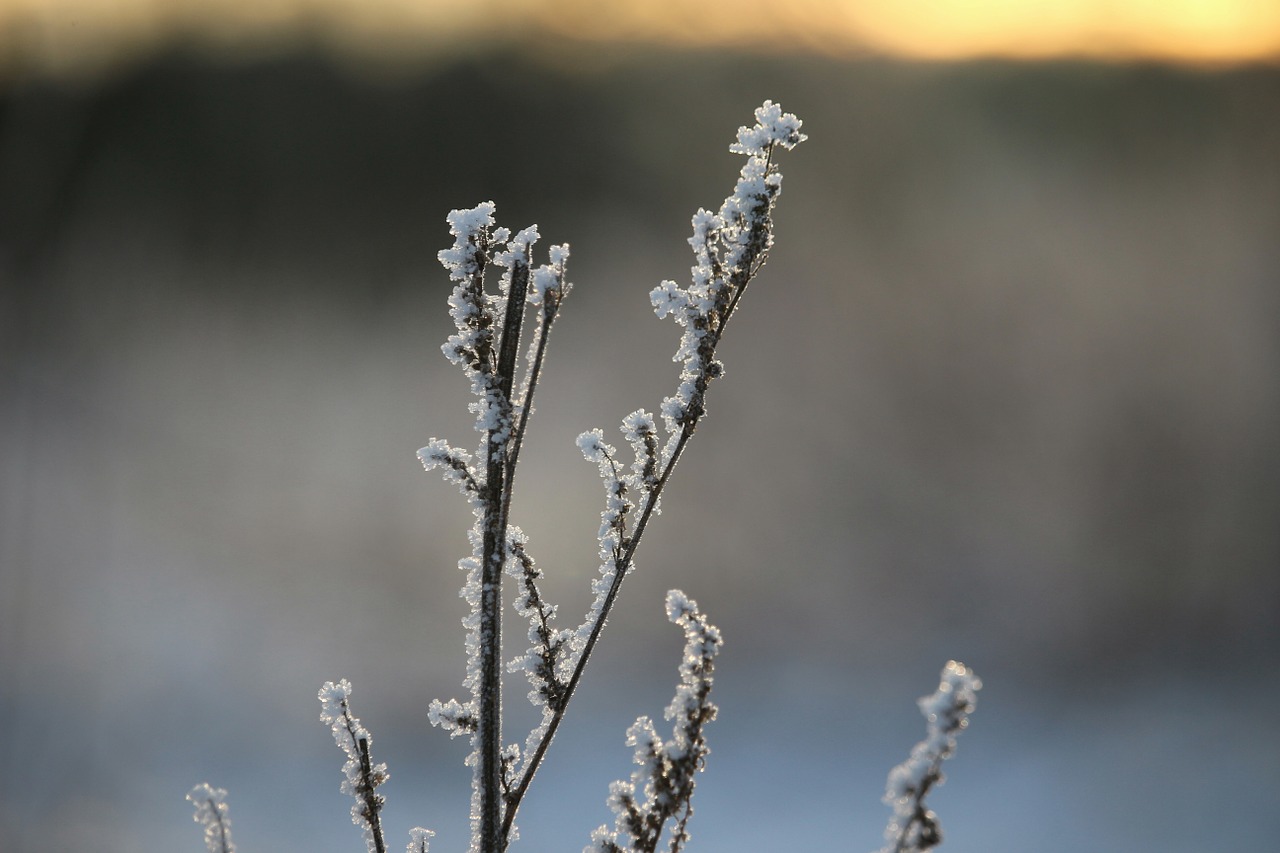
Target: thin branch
372, 802
497, 513
624, 559
526, 396
211, 813
913, 828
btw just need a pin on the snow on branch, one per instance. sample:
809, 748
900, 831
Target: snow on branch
212, 814
419, 840
361, 776
543, 662
487, 347
455, 464
729, 247
913, 828
661, 787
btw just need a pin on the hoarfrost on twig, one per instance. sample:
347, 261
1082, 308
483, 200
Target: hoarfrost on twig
212, 814
913, 828
661, 787
360, 776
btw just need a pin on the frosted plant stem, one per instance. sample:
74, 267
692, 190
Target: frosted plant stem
752, 265
513, 800
729, 249
211, 813
662, 784
624, 563
361, 776
497, 511
913, 828
371, 804
517, 438
489, 724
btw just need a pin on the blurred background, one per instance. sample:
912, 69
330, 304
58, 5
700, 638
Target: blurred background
1006, 392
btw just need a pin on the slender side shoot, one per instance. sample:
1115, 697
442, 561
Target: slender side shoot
913, 828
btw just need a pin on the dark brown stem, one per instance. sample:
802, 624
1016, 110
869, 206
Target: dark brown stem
371, 800
497, 511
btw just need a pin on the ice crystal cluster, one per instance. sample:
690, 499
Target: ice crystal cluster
211, 813
502, 364
913, 827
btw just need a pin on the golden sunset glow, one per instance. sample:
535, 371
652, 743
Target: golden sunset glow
85, 35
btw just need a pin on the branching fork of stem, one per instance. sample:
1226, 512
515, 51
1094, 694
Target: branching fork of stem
624, 554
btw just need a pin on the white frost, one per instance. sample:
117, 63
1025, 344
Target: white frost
212, 814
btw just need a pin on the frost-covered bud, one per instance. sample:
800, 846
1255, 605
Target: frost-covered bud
361, 776
638, 425
515, 261
706, 229
673, 410
548, 286
669, 298
914, 828
949, 708
470, 227
456, 464
545, 280
773, 127
419, 840
603, 841
679, 607
212, 814
518, 247
593, 446
641, 432
335, 712
453, 716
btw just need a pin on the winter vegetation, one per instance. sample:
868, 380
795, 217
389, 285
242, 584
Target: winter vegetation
502, 361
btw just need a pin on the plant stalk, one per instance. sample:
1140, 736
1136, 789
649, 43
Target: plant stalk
497, 513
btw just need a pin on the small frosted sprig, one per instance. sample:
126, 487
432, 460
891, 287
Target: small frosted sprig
543, 661
212, 814
612, 536
360, 776
455, 717
548, 288
468, 255
455, 464
470, 307
914, 828
729, 247
549, 285
475, 312
419, 840
618, 503
641, 432
661, 787
773, 127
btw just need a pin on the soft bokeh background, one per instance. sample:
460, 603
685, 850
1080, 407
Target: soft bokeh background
1007, 392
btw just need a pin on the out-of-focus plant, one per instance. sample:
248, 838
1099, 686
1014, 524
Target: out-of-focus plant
913, 828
